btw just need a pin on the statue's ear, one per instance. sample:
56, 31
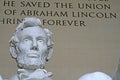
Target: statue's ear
12, 47
50, 49
13, 51
50, 52
49, 43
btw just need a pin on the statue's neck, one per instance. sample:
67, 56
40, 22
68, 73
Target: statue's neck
28, 73
30, 70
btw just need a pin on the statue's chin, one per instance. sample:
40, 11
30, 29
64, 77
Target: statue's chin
31, 63
31, 66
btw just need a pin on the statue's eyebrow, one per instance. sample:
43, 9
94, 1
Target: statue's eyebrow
27, 37
41, 37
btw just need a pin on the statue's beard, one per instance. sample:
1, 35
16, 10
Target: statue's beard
28, 62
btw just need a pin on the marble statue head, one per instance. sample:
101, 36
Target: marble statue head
31, 44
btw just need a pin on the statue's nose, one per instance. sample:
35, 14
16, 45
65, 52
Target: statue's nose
34, 45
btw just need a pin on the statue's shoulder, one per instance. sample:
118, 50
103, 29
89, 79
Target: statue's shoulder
15, 77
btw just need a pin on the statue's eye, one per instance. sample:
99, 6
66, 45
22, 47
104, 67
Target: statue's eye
26, 40
40, 40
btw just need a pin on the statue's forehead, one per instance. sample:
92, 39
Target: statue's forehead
32, 31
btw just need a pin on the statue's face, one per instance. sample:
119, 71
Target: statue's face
32, 47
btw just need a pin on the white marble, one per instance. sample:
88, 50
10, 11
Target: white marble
95, 76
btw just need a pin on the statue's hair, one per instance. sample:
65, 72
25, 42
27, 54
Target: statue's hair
28, 22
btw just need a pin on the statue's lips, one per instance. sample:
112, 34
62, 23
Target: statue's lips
33, 55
